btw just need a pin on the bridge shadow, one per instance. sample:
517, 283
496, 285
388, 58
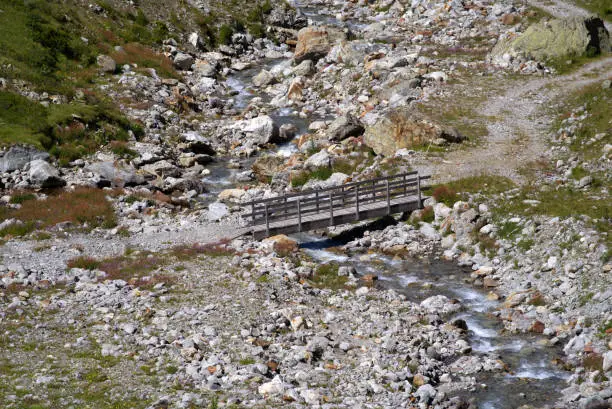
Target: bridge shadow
312, 241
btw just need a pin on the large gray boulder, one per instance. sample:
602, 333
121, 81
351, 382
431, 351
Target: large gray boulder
555, 39
183, 61
320, 159
261, 130
17, 157
43, 175
404, 128
344, 127
283, 15
263, 79
106, 63
106, 174
197, 143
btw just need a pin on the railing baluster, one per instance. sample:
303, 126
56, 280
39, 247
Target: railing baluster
373, 191
388, 199
419, 189
404, 180
317, 200
331, 209
299, 214
357, 202
267, 221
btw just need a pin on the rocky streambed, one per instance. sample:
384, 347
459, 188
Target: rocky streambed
527, 368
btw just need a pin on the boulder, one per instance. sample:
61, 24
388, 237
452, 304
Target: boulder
305, 68
217, 211
283, 15
296, 89
106, 63
440, 304
261, 130
205, 68
264, 78
231, 195
182, 185
106, 175
555, 39
17, 157
282, 244
287, 132
336, 179
196, 41
344, 127
403, 128
196, 143
265, 167
44, 175
320, 159
314, 43
183, 61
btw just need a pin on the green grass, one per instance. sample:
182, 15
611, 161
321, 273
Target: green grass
19, 198
67, 131
578, 173
602, 8
326, 276
508, 230
246, 361
302, 177
488, 184
598, 103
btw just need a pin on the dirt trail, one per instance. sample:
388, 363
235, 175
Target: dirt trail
517, 124
516, 118
561, 9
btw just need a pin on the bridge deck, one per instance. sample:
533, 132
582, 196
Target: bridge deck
351, 202
341, 216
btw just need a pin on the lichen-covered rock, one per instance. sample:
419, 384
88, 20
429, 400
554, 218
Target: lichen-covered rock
555, 39
403, 128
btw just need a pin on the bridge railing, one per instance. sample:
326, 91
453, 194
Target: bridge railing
330, 200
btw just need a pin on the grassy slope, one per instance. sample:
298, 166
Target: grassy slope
602, 8
43, 49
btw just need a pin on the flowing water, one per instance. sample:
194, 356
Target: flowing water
532, 377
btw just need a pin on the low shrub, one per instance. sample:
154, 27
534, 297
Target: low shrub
83, 207
445, 194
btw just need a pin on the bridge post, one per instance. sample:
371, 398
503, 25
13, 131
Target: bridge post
317, 200
253, 212
357, 202
419, 189
373, 191
388, 199
404, 178
299, 214
285, 204
331, 209
267, 221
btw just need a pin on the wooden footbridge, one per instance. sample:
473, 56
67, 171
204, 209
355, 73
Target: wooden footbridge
315, 209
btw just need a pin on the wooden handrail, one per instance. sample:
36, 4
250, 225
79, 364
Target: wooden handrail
347, 185
285, 210
349, 195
